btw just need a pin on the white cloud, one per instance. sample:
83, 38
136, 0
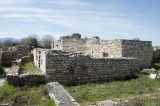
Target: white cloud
91, 20
13, 2
81, 20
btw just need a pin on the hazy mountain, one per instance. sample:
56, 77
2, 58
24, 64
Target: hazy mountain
10, 38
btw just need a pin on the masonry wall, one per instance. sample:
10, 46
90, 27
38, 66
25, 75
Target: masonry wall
93, 46
40, 58
142, 50
98, 48
156, 53
76, 68
14, 53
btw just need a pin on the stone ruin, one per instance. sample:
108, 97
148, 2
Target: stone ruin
156, 53
10, 54
142, 50
73, 59
72, 68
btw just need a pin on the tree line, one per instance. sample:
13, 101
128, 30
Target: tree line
32, 40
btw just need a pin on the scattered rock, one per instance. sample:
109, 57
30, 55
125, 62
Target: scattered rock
153, 76
107, 103
43, 98
152, 69
126, 101
2, 82
4, 105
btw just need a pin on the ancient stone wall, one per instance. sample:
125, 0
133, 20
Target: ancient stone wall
156, 53
39, 58
28, 58
142, 50
98, 48
26, 79
15, 78
70, 68
14, 53
93, 46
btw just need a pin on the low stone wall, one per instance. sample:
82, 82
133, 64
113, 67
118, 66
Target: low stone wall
26, 79
14, 78
14, 53
156, 53
73, 68
28, 58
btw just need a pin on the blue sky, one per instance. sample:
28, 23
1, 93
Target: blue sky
109, 19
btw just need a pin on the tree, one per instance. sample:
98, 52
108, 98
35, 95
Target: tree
31, 40
10, 43
47, 40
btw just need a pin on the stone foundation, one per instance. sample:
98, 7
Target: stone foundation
26, 79
17, 52
15, 78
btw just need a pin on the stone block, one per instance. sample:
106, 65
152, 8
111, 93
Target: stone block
60, 95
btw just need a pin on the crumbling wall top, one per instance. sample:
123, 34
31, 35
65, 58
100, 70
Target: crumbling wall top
73, 36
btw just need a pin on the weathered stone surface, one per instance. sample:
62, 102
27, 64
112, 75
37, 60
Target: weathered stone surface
152, 69
13, 76
96, 47
108, 103
60, 95
153, 76
74, 68
4, 104
156, 53
158, 76
14, 53
2, 82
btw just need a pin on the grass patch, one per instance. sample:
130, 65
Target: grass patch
119, 89
89, 93
29, 67
18, 96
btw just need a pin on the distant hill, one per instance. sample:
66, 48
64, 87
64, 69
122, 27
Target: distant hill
10, 38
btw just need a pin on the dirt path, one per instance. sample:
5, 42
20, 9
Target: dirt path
3, 75
2, 82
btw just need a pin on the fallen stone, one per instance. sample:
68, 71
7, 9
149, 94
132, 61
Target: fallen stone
4, 105
60, 95
152, 69
2, 82
126, 101
153, 76
107, 103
